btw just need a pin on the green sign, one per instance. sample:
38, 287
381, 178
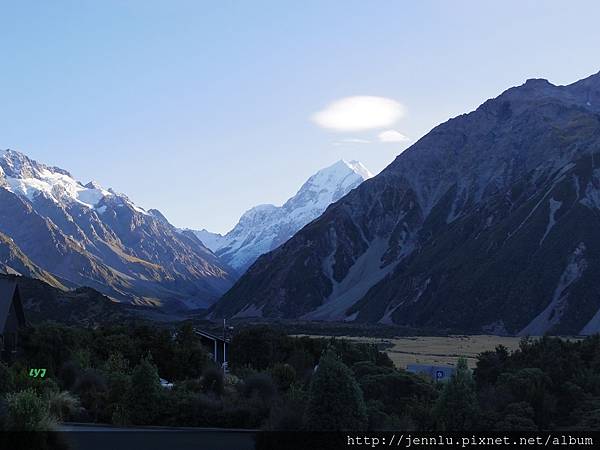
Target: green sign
37, 373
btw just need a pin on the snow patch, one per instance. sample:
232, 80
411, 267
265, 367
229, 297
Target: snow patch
387, 316
421, 290
28, 178
558, 179
352, 317
58, 187
593, 326
554, 206
365, 273
577, 187
591, 197
552, 314
358, 168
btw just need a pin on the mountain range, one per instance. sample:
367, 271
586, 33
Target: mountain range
265, 227
54, 228
489, 223
69, 234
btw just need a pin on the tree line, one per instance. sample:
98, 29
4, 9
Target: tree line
278, 382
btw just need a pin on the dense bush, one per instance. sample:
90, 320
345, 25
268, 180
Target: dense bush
335, 399
92, 389
547, 383
280, 382
27, 411
212, 381
284, 375
143, 398
457, 407
64, 406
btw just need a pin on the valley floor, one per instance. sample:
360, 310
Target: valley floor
436, 350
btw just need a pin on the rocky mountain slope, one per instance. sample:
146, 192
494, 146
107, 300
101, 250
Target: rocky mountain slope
84, 235
266, 227
489, 223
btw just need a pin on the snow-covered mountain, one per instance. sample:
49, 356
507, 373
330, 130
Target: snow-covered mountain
56, 228
266, 227
489, 223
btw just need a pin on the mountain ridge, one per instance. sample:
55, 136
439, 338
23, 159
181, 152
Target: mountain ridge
88, 235
445, 234
266, 226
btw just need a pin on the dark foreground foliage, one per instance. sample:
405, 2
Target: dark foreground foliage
277, 382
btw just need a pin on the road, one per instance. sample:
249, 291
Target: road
91, 437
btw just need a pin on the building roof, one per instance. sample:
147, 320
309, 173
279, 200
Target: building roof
9, 293
212, 337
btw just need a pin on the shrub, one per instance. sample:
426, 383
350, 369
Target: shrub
83, 358
64, 405
20, 377
28, 412
68, 374
284, 375
212, 381
190, 358
92, 389
46, 387
517, 417
194, 386
457, 406
116, 363
120, 416
335, 399
144, 395
260, 386
397, 390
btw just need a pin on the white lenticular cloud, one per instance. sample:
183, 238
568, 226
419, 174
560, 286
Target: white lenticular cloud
359, 113
392, 136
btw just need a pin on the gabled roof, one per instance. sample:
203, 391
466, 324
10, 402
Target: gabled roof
9, 294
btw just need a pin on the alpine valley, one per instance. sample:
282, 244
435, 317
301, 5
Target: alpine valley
56, 229
489, 223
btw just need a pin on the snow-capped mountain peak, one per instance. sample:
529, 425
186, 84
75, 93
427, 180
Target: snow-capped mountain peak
326, 186
28, 178
337, 174
359, 169
265, 227
18, 165
89, 235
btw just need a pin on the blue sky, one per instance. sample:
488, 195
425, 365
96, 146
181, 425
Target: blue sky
204, 109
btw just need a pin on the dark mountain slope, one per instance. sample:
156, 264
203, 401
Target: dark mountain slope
82, 306
488, 223
14, 261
